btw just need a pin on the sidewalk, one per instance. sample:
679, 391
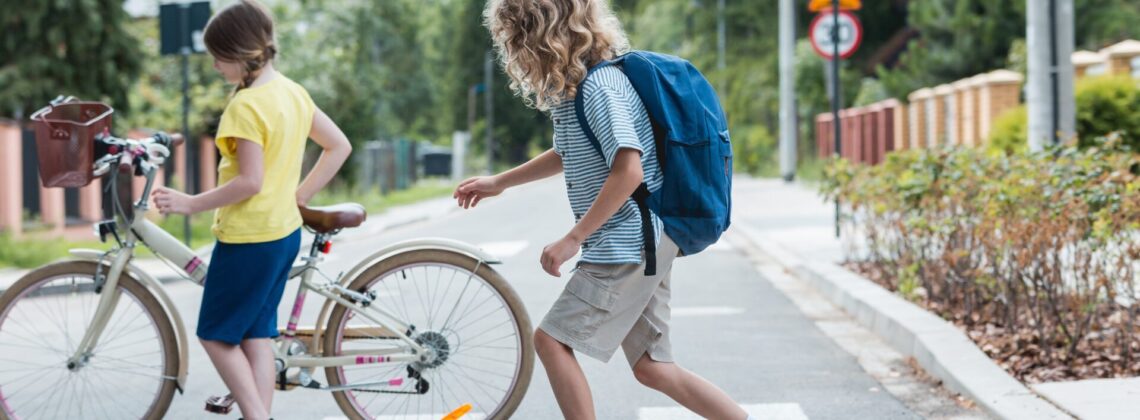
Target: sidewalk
793, 224
390, 219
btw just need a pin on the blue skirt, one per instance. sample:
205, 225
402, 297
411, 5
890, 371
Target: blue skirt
244, 285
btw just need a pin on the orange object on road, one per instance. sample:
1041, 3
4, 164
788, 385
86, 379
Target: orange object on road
818, 5
459, 412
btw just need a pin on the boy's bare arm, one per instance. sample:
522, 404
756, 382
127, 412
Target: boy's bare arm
472, 190
624, 178
542, 166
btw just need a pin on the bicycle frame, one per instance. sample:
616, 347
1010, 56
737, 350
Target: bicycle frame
118, 260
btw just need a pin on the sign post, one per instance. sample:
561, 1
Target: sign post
835, 34
181, 26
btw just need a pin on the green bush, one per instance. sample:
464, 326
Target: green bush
1038, 245
1108, 104
1104, 105
753, 149
1010, 131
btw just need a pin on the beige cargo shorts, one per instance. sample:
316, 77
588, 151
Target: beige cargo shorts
607, 305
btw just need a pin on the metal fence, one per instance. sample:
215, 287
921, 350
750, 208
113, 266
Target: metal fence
387, 165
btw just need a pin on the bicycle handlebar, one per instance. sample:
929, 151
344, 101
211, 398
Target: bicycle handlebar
147, 153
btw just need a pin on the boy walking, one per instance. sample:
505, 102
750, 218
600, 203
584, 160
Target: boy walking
611, 300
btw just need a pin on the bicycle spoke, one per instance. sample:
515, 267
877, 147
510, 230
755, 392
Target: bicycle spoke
469, 313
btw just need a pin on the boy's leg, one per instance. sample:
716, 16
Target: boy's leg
566, 377
236, 372
694, 392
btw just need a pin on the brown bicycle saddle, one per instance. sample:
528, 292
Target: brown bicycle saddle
335, 217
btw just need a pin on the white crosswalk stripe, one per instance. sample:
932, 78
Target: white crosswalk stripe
705, 311
773, 411
504, 249
468, 416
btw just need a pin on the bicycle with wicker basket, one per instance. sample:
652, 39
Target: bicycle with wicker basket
418, 329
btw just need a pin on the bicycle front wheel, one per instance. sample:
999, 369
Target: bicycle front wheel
128, 375
463, 311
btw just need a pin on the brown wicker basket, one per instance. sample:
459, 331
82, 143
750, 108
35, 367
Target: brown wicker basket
65, 141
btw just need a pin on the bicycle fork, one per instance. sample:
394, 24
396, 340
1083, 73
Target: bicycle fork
107, 302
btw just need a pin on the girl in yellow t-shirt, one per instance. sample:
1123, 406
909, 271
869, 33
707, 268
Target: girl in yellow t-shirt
261, 138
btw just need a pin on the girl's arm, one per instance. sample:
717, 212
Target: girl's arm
336, 150
245, 185
472, 190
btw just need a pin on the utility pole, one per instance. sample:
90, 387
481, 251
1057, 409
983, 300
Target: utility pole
1049, 92
788, 126
720, 46
188, 141
488, 97
836, 97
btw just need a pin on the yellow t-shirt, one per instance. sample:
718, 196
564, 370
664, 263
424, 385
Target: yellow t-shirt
278, 116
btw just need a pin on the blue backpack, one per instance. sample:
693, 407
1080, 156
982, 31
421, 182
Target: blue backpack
693, 148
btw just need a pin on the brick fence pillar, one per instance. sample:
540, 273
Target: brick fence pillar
822, 151
11, 178
901, 125
969, 106
1120, 57
1000, 90
1084, 60
853, 132
870, 135
920, 118
91, 201
52, 208
886, 123
959, 123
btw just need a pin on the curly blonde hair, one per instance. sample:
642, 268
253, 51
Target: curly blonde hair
547, 46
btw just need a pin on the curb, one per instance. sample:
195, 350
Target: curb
940, 348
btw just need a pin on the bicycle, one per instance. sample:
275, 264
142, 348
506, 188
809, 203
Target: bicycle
97, 335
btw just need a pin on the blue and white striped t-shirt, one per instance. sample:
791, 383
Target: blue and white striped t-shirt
619, 120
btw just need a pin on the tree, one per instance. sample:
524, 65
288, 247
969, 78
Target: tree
957, 38
78, 48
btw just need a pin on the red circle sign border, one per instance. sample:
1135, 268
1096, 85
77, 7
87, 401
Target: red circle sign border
858, 34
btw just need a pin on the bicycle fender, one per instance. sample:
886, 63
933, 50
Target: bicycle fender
441, 244
154, 287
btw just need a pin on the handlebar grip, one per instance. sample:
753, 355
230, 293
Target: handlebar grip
169, 140
125, 164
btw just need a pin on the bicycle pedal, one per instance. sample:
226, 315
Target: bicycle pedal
220, 405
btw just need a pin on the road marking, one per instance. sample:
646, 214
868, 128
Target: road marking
505, 249
706, 311
775, 411
468, 416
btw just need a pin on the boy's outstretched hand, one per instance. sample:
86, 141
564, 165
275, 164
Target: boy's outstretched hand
471, 191
555, 254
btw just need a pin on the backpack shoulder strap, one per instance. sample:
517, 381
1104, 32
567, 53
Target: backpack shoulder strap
580, 106
641, 195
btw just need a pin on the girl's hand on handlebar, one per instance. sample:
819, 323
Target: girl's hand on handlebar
169, 201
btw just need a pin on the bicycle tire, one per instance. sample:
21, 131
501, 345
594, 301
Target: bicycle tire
500, 287
131, 286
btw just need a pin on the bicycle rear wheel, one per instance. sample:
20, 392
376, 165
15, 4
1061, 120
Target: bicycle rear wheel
471, 318
129, 374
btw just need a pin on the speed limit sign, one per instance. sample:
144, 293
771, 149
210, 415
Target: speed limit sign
850, 33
